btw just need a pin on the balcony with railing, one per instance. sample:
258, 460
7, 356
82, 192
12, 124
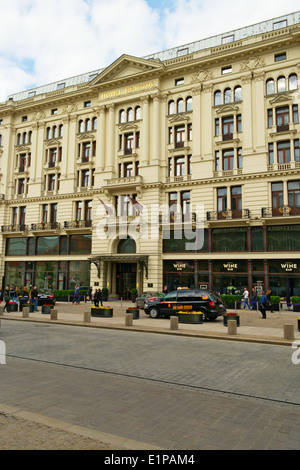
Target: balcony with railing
284, 211
177, 218
14, 228
124, 181
77, 224
228, 214
45, 226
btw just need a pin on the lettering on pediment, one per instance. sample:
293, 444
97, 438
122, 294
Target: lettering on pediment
179, 118
252, 63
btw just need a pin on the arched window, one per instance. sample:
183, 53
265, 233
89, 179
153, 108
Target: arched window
30, 137
122, 116
280, 84
180, 107
129, 114
60, 132
19, 139
87, 125
171, 107
127, 246
227, 96
137, 113
270, 86
238, 93
293, 82
54, 132
189, 103
0, 140
80, 126
24, 138
217, 98
48, 133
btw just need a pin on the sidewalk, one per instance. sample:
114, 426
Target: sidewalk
252, 327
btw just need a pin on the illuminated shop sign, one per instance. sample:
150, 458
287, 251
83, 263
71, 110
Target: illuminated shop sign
289, 266
230, 266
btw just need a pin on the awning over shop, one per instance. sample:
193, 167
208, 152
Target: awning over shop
132, 258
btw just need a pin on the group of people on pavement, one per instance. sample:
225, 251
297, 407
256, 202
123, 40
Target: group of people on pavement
12, 294
263, 302
95, 297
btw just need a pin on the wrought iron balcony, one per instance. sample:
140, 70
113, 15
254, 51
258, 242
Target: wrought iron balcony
228, 214
14, 228
283, 128
45, 226
73, 224
284, 211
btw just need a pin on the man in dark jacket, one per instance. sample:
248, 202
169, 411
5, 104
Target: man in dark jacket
34, 298
263, 304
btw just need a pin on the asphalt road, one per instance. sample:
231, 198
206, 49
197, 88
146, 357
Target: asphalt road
138, 389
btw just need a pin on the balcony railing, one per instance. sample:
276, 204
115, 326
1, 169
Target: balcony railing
14, 228
45, 226
77, 224
283, 211
283, 128
228, 136
228, 214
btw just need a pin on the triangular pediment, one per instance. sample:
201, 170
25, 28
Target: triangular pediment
281, 98
179, 117
126, 67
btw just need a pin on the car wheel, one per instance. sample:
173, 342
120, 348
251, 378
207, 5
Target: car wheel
153, 313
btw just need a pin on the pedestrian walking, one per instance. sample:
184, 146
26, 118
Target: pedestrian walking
263, 304
246, 298
269, 302
25, 296
34, 297
12, 293
89, 295
76, 295
254, 299
6, 298
100, 297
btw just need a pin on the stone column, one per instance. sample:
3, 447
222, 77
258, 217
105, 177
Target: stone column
145, 131
110, 138
156, 129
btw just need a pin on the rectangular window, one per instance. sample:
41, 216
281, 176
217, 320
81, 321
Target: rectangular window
296, 150
179, 166
239, 122
271, 154
172, 204
179, 81
279, 57
270, 118
227, 127
282, 119
179, 136
45, 213
294, 196
284, 152
239, 158
78, 214
236, 202
225, 70
51, 182
53, 213
228, 159
217, 127
277, 198
217, 160
295, 114
280, 24
85, 177
170, 161
222, 201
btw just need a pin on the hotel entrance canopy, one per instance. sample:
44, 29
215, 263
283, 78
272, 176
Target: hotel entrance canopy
142, 260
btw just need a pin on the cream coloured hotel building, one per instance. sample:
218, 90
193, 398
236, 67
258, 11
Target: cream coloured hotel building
181, 169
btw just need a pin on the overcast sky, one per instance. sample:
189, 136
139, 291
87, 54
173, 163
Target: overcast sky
43, 41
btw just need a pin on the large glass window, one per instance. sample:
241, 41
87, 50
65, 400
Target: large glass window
79, 274
45, 274
229, 239
186, 240
16, 246
80, 244
284, 238
47, 245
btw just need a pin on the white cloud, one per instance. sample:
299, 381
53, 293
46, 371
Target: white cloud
43, 41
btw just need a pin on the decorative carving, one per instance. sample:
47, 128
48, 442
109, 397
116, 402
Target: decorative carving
252, 63
202, 76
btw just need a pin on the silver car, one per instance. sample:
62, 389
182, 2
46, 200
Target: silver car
146, 296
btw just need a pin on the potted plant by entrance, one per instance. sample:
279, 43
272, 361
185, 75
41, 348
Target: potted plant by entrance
135, 312
12, 307
133, 294
275, 301
102, 311
190, 317
46, 308
296, 303
231, 316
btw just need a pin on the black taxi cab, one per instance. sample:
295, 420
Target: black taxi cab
207, 302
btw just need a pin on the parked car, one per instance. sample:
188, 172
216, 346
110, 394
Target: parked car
207, 302
147, 296
46, 296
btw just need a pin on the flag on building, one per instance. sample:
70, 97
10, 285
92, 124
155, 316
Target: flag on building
136, 204
108, 210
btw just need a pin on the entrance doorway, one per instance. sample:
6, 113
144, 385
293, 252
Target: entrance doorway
126, 279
